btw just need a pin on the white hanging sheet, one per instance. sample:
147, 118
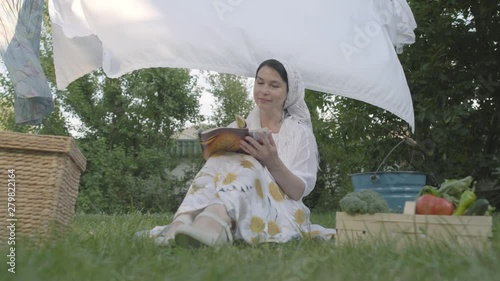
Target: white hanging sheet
346, 48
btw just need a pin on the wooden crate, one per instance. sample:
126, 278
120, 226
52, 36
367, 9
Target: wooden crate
407, 229
45, 171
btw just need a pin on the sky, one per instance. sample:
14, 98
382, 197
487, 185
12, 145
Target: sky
207, 100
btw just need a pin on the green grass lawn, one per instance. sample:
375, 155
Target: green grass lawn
101, 247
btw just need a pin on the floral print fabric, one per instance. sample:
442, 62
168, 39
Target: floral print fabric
259, 209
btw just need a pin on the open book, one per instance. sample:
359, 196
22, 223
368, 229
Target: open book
227, 139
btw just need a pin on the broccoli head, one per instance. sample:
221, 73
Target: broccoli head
364, 201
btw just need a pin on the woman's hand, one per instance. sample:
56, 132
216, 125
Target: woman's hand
265, 152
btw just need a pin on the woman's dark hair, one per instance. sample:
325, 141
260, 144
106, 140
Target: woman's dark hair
276, 65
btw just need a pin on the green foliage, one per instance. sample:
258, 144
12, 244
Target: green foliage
117, 181
453, 74
128, 124
7, 117
352, 137
141, 108
231, 96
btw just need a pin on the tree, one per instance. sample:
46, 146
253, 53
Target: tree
7, 117
453, 74
452, 71
352, 137
144, 107
231, 96
128, 124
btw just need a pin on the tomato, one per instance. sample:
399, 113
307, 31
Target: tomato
431, 205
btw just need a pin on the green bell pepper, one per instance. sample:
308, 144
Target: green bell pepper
467, 199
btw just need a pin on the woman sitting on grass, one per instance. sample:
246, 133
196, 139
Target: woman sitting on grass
256, 197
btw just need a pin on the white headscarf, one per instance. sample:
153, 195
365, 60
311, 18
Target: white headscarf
295, 105
295, 113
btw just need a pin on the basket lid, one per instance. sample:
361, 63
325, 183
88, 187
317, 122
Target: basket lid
47, 143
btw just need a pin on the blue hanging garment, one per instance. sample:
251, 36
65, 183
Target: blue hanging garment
20, 31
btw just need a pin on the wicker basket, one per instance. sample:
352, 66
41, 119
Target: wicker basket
46, 173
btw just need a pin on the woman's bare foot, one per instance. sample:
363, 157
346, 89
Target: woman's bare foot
168, 233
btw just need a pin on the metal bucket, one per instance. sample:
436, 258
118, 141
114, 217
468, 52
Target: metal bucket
395, 187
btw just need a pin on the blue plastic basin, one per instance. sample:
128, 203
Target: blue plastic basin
395, 187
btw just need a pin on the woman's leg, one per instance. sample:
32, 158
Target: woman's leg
211, 227
207, 223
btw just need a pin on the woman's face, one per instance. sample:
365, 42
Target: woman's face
269, 90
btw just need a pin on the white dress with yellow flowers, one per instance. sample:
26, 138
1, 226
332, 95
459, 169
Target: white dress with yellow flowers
259, 209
